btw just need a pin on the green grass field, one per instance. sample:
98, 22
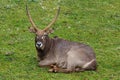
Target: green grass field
93, 22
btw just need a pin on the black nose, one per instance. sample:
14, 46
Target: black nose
39, 44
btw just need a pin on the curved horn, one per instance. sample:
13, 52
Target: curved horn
30, 19
53, 21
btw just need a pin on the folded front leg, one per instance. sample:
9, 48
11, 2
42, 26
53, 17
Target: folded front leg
45, 63
57, 69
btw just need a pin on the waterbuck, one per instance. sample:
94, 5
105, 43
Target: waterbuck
59, 54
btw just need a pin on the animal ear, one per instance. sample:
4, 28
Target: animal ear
49, 31
32, 29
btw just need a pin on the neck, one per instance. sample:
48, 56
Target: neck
48, 45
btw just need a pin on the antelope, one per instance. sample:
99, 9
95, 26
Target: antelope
58, 54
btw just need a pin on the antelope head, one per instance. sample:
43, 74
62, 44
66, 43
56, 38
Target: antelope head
41, 34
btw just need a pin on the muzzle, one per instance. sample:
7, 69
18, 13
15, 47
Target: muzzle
39, 44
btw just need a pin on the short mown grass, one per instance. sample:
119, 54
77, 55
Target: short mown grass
93, 22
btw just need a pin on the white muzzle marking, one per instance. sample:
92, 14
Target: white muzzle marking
39, 44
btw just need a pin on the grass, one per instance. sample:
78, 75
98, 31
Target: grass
94, 22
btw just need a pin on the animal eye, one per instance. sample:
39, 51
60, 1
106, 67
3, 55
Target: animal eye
43, 37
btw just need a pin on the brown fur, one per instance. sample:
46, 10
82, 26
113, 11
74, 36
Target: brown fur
59, 54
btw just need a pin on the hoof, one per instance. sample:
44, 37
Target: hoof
53, 68
50, 70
